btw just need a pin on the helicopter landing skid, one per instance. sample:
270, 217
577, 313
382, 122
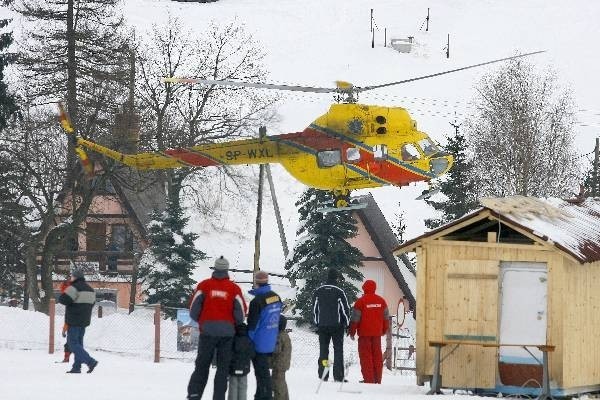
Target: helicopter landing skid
427, 194
349, 207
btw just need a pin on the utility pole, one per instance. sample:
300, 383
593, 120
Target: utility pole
262, 131
371, 20
448, 47
596, 170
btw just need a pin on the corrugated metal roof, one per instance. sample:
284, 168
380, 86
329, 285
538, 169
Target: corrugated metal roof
573, 226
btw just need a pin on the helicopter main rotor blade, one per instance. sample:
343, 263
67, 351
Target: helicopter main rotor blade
365, 88
193, 81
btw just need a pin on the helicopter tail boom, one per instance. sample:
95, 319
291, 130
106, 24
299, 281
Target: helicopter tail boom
249, 151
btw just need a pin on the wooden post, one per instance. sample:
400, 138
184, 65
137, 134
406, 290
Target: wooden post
384, 37
99, 311
427, 19
448, 47
157, 333
371, 20
51, 315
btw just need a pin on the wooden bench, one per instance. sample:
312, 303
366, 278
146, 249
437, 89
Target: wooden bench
436, 380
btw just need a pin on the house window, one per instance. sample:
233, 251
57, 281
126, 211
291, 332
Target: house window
329, 158
121, 238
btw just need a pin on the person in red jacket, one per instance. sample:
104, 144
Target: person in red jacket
219, 306
370, 320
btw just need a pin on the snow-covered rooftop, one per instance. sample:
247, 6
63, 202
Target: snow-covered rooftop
573, 226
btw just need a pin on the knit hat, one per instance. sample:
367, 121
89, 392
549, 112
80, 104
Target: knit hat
261, 278
77, 273
221, 264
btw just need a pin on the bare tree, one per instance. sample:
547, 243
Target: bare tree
522, 134
71, 50
176, 115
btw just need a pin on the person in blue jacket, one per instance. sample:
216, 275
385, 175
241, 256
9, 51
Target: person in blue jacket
263, 328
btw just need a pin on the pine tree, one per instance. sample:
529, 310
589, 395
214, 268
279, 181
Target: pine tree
459, 185
7, 101
168, 263
322, 244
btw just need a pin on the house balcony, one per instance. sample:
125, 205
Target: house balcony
102, 262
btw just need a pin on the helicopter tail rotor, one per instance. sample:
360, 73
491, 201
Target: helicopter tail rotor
67, 125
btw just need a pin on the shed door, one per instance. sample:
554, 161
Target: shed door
470, 315
523, 310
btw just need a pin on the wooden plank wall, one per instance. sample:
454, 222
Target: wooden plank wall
432, 260
581, 305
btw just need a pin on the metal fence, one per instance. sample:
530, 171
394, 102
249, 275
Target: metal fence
137, 334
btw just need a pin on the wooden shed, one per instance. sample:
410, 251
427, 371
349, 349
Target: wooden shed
518, 271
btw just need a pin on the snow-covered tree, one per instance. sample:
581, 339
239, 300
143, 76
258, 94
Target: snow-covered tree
458, 186
167, 265
322, 244
522, 134
8, 104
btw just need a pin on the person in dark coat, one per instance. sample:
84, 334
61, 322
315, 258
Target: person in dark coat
79, 299
218, 306
243, 353
370, 320
280, 362
331, 314
263, 328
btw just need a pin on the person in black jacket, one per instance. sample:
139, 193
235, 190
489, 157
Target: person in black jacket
263, 328
79, 299
331, 316
243, 353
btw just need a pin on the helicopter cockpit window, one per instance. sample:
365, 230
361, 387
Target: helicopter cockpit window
380, 152
429, 147
353, 154
410, 152
329, 158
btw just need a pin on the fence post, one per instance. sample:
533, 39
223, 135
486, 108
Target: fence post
51, 315
157, 333
99, 311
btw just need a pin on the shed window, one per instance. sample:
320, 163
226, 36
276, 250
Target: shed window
329, 158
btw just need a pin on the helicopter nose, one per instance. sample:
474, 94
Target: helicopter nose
438, 166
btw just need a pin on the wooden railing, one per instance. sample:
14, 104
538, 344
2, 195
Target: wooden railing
436, 381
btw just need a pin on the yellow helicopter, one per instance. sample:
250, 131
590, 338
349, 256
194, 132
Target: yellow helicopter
352, 146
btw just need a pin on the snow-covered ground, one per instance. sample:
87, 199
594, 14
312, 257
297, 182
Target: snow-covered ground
33, 375
124, 346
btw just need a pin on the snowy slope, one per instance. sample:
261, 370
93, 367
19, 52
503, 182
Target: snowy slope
314, 42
